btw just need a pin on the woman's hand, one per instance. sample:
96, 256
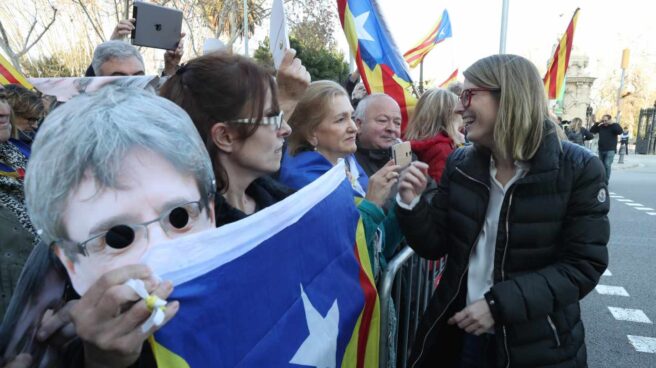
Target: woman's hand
381, 183
413, 181
109, 316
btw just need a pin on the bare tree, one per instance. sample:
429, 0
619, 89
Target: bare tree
20, 44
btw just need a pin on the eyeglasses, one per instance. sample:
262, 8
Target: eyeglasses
276, 121
176, 221
466, 94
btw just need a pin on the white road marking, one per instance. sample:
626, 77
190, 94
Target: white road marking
644, 209
635, 204
611, 290
607, 273
651, 213
616, 196
631, 315
643, 344
611, 192
625, 200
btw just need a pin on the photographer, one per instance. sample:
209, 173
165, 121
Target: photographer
608, 132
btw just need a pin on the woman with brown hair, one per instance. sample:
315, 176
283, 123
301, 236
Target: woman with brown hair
28, 110
235, 105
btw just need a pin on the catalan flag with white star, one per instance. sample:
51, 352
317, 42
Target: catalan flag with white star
289, 286
379, 61
440, 32
554, 80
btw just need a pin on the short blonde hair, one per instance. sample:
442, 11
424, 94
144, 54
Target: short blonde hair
435, 113
310, 112
523, 109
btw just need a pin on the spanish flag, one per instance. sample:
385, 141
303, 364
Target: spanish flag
440, 32
452, 78
9, 74
554, 80
381, 66
289, 286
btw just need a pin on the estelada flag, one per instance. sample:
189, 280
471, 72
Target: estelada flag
9, 74
440, 32
555, 77
381, 66
290, 285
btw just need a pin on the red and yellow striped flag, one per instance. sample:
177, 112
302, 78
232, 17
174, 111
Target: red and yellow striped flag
9, 74
555, 77
452, 78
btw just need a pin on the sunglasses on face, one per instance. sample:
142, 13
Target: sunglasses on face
275, 121
176, 221
466, 94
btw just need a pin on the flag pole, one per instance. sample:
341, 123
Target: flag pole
504, 27
624, 65
421, 76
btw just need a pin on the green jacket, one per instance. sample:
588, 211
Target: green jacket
382, 229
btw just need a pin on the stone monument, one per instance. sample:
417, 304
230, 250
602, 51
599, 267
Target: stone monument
578, 83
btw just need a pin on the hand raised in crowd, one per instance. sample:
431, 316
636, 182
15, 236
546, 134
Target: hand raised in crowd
57, 327
381, 183
109, 316
123, 29
293, 80
413, 181
172, 57
21, 361
475, 319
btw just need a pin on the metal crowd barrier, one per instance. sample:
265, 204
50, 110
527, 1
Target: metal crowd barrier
408, 284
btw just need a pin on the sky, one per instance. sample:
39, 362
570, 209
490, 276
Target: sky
604, 29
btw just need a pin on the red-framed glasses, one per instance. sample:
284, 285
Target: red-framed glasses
466, 94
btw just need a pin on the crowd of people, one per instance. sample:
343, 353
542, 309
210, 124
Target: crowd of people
517, 212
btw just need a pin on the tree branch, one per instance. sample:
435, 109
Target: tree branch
93, 24
45, 30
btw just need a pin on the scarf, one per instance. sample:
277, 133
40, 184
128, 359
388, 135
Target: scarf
12, 195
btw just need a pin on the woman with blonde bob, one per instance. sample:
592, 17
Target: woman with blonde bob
522, 216
323, 132
433, 129
576, 133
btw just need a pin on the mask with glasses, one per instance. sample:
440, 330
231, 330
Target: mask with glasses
175, 222
275, 121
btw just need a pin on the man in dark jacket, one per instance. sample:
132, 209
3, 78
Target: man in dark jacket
608, 132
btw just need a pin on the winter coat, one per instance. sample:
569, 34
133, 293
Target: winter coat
607, 136
434, 151
264, 191
550, 252
578, 137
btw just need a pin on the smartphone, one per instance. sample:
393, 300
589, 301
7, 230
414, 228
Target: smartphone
402, 154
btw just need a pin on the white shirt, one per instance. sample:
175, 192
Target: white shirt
481, 261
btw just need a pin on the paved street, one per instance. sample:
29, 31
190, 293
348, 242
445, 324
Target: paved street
620, 315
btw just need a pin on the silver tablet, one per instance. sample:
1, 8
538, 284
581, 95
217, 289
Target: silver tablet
156, 26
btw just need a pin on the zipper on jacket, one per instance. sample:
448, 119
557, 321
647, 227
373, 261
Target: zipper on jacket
503, 266
423, 344
554, 330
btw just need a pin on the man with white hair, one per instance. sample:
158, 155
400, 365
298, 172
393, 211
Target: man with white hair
378, 118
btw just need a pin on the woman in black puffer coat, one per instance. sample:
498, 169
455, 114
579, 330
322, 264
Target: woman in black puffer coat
523, 218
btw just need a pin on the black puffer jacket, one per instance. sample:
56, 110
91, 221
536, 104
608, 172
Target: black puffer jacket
550, 252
